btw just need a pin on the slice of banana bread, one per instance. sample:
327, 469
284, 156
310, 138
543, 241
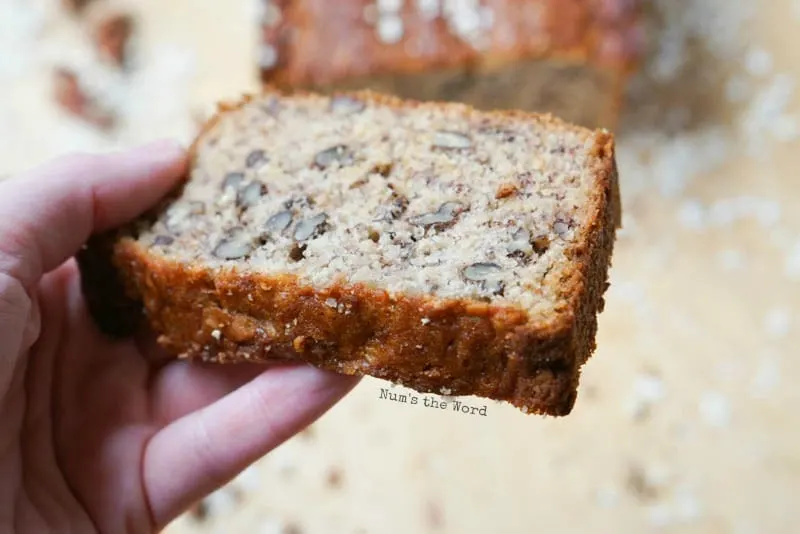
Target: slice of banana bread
566, 57
443, 248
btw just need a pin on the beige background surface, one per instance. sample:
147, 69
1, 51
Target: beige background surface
687, 419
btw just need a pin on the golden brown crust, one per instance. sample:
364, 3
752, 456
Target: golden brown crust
458, 347
371, 97
319, 44
462, 347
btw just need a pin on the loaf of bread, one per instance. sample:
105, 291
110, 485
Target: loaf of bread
439, 247
567, 57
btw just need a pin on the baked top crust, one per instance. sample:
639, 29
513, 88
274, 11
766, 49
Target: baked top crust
307, 43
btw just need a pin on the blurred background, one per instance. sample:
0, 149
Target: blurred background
687, 418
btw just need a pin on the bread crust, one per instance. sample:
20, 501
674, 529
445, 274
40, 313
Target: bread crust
446, 346
318, 44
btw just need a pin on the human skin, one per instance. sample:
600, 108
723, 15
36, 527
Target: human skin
102, 435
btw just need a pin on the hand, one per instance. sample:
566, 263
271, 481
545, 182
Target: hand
95, 436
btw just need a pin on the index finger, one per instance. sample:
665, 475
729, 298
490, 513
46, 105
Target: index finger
48, 213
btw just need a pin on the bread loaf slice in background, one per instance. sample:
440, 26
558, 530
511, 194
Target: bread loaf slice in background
446, 249
571, 58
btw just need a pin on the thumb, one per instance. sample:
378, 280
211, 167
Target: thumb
47, 214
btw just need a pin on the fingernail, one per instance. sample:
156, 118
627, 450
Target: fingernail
164, 153
163, 149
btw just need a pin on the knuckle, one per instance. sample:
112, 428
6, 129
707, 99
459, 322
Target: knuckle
14, 260
206, 450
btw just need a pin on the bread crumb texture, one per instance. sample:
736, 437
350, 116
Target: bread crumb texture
424, 200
